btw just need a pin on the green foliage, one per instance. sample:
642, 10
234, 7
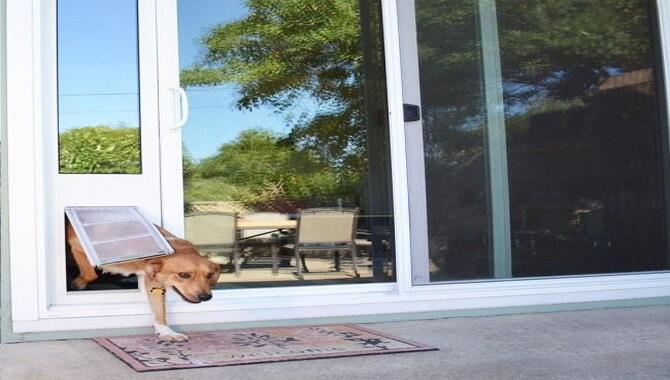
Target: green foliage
261, 171
189, 166
559, 48
571, 45
100, 150
324, 52
282, 49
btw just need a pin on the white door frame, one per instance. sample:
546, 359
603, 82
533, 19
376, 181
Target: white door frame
411, 94
64, 190
34, 310
170, 136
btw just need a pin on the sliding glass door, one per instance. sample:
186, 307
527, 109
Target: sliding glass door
542, 146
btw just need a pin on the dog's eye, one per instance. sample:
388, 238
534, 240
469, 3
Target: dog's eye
184, 275
209, 275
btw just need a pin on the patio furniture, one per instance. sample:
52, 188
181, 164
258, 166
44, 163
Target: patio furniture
277, 224
325, 230
261, 229
214, 233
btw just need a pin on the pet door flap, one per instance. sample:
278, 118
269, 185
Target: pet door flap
111, 235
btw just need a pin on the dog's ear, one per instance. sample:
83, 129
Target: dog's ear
214, 268
153, 266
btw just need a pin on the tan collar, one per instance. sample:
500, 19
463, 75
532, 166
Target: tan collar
156, 291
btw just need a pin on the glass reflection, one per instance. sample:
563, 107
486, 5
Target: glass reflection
454, 139
586, 141
585, 132
98, 91
287, 153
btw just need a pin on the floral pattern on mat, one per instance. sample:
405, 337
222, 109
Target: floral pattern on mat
246, 346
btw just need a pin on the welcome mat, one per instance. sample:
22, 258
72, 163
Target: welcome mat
254, 345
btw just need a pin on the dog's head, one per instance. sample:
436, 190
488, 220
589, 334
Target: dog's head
191, 275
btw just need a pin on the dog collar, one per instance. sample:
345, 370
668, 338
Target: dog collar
157, 291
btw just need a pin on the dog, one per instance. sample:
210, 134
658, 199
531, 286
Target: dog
188, 273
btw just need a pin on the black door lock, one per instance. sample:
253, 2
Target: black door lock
411, 112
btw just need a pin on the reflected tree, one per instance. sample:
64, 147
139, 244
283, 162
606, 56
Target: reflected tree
318, 54
287, 51
256, 170
100, 149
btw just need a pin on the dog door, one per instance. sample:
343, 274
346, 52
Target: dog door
112, 235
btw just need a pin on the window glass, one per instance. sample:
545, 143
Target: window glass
575, 100
98, 87
454, 133
286, 166
586, 136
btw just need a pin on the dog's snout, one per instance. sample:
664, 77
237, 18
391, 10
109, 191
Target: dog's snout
205, 296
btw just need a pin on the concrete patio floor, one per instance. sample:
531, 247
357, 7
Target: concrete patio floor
602, 344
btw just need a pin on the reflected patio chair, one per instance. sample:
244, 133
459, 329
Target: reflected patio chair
264, 237
214, 233
325, 230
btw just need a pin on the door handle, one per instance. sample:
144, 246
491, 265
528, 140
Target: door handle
411, 112
183, 107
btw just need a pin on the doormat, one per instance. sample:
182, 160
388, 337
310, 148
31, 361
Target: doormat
254, 345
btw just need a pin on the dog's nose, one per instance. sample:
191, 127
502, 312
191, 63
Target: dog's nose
205, 296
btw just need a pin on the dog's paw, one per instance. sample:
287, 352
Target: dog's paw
78, 284
166, 334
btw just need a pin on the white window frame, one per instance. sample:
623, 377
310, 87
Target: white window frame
34, 309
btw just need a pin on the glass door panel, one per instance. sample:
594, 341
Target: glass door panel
452, 140
586, 136
543, 138
287, 141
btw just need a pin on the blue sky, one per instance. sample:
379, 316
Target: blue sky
97, 63
98, 78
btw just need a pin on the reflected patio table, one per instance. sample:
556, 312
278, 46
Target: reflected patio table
267, 226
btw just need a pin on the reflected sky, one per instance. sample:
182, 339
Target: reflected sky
97, 63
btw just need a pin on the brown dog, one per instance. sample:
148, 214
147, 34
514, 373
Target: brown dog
188, 273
